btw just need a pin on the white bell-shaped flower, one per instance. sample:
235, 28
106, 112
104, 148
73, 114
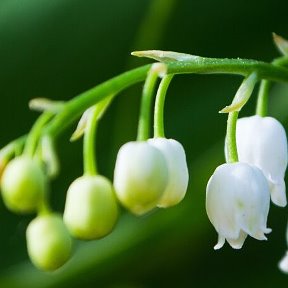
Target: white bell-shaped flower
140, 176
262, 141
237, 203
177, 169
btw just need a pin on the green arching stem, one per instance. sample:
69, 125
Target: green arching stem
35, 133
146, 104
242, 67
12, 148
232, 155
89, 147
262, 99
159, 130
75, 107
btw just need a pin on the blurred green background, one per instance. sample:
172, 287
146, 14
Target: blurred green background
59, 48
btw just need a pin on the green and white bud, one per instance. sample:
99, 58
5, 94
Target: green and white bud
48, 242
140, 176
23, 185
91, 209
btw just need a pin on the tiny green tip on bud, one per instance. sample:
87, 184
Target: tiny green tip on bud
243, 94
23, 185
281, 43
48, 242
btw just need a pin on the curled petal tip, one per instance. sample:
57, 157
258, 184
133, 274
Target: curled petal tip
221, 242
259, 235
218, 246
267, 230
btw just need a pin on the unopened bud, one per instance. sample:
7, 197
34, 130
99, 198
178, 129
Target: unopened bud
48, 241
91, 207
23, 185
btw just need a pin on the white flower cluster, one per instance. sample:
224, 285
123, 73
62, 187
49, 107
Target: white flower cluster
238, 194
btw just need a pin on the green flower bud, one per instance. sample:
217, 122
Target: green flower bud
48, 241
23, 185
91, 207
140, 176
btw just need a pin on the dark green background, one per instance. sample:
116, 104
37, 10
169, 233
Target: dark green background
59, 48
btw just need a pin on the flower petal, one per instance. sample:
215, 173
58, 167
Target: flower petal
237, 243
237, 203
177, 168
220, 243
283, 264
220, 202
254, 199
262, 141
278, 192
140, 176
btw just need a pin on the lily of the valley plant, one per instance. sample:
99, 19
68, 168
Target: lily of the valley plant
151, 171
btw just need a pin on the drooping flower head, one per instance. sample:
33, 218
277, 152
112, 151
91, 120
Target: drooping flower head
140, 176
177, 169
237, 203
262, 141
